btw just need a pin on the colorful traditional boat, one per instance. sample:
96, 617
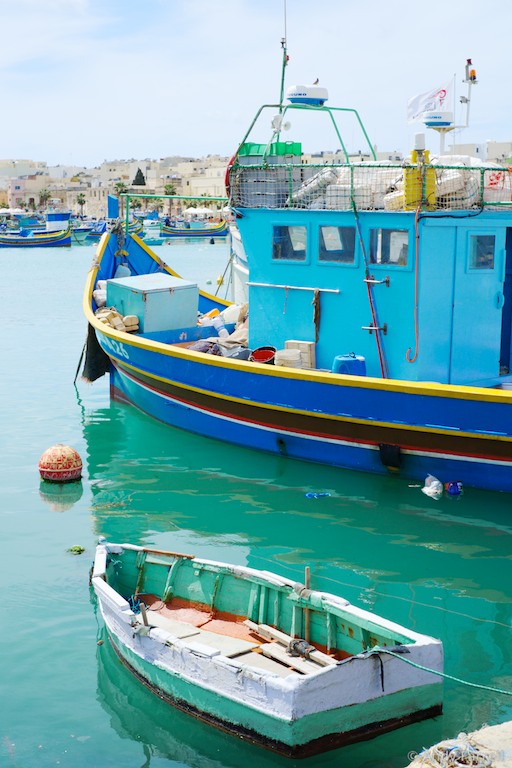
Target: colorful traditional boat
201, 230
135, 227
255, 654
386, 291
35, 239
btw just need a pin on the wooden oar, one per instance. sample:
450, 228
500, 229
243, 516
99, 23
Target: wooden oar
166, 552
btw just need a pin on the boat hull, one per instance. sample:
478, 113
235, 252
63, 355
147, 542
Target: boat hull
397, 711
242, 407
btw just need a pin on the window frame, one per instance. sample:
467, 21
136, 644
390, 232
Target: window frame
390, 264
337, 262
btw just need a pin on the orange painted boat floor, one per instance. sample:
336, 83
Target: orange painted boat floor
228, 624
200, 616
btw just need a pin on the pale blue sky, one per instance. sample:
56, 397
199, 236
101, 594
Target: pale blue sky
89, 80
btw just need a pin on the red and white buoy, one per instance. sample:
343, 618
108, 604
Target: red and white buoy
60, 464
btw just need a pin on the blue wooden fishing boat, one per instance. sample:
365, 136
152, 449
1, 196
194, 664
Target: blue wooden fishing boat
36, 239
387, 288
201, 230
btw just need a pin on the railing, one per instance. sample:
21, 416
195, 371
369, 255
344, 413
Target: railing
370, 186
204, 199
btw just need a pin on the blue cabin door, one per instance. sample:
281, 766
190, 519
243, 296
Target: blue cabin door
478, 302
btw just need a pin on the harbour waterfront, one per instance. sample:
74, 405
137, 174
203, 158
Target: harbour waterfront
438, 567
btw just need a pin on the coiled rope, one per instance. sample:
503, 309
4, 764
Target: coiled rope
462, 751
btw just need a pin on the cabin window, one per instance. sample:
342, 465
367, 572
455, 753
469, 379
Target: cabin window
481, 251
289, 243
389, 246
337, 244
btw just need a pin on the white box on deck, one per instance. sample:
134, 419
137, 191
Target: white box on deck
160, 301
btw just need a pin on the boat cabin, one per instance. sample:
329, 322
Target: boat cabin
405, 268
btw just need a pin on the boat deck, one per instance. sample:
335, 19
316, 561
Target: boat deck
247, 643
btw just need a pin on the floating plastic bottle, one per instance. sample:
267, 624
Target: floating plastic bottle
454, 488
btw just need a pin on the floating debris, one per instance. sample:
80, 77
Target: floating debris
76, 549
433, 487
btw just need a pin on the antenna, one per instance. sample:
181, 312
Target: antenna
444, 127
285, 60
471, 80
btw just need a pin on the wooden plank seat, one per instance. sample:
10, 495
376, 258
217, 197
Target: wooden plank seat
177, 628
265, 663
279, 653
281, 638
228, 646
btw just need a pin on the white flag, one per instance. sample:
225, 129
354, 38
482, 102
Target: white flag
436, 100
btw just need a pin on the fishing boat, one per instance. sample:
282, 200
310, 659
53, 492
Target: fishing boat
97, 230
135, 227
195, 229
380, 304
80, 230
272, 661
36, 239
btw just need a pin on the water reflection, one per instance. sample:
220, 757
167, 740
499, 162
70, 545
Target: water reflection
440, 567
60, 496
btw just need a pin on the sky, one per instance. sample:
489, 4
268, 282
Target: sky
84, 81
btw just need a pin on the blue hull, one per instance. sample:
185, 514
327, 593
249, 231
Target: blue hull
264, 434
36, 241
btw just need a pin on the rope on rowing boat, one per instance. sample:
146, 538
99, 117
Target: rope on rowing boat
377, 649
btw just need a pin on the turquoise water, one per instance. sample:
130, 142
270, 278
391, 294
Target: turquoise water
442, 568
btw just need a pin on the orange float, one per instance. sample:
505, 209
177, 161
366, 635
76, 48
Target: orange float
60, 464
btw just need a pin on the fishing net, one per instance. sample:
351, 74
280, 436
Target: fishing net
457, 753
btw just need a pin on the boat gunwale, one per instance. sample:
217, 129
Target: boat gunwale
327, 602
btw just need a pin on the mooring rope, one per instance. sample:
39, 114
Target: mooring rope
377, 649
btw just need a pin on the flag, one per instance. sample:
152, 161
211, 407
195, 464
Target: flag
112, 207
436, 100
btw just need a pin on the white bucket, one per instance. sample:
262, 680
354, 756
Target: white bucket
288, 357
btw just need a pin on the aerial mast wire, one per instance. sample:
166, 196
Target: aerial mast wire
285, 60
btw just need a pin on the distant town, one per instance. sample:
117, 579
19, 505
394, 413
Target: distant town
34, 185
